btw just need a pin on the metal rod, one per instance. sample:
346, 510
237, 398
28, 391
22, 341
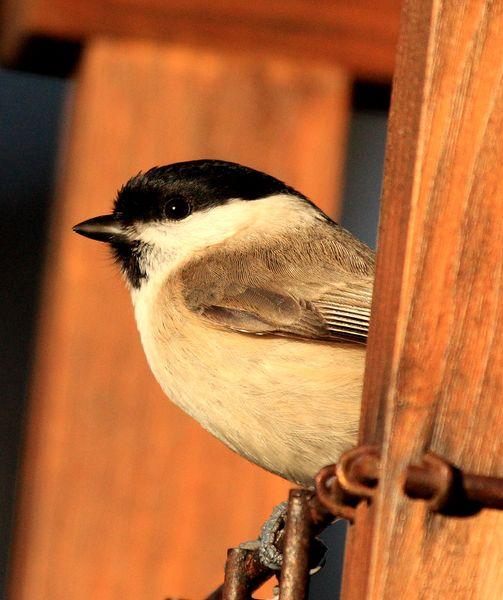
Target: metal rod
235, 583
448, 488
295, 569
244, 573
488, 491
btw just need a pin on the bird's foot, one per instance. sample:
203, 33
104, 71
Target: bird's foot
270, 538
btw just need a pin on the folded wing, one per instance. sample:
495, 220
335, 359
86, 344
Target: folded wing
313, 286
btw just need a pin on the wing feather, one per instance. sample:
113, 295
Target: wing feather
296, 287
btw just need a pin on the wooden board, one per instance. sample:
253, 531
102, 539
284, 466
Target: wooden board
435, 364
122, 495
360, 35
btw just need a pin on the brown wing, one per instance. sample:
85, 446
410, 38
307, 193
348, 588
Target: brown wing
315, 285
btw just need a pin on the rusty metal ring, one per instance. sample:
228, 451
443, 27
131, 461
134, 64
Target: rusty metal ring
358, 471
330, 494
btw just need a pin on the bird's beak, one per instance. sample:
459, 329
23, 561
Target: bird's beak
104, 229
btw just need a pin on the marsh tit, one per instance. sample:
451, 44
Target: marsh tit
252, 305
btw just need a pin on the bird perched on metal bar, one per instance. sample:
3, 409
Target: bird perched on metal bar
252, 305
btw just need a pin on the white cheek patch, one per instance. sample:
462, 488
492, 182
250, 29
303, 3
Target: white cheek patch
171, 242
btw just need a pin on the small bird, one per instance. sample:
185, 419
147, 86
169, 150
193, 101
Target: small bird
252, 305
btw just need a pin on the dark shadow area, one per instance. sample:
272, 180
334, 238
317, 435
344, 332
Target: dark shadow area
30, 111
371, 96
51, 56
364, 167
322, 584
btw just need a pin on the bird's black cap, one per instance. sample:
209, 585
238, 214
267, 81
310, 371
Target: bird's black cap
202, 183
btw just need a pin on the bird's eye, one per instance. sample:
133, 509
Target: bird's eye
177, 209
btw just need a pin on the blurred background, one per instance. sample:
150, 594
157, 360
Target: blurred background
107, 490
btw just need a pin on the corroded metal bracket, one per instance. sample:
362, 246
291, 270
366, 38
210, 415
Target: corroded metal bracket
338, 489
444, 487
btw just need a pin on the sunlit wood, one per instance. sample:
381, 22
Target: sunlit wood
359, 35
434, 367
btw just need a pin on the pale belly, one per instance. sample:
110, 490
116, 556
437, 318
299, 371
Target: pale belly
289, 406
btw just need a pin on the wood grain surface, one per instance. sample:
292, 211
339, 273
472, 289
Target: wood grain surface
360, 35
435, 362
122, 495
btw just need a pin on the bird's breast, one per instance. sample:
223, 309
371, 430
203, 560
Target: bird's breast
288, 405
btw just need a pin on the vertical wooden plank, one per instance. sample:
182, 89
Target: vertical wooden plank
435, 367
122, 495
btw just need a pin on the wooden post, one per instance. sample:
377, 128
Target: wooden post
123, 496
434, 367
359, 36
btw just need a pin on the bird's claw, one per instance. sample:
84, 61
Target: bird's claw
269, 539
270, 535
